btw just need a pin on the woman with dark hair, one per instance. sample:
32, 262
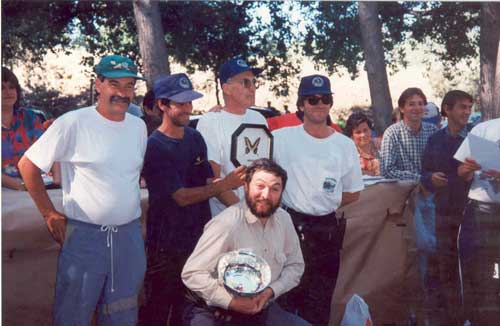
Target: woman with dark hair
20, 129
359, 128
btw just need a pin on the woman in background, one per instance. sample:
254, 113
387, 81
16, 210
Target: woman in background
360, 128
20, 129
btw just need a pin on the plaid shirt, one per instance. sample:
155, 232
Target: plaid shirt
402, 151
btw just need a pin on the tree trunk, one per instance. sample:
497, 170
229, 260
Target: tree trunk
490, 65
151, 40
371, 34
217, 87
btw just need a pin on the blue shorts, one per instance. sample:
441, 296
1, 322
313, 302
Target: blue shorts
99, 267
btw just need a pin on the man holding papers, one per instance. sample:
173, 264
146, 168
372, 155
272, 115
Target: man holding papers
479, 238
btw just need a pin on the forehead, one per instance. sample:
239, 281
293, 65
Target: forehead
246, 74
121, 81
414, 98
463, 102
265, 177
362, 125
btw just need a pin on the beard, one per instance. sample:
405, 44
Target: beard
266, 212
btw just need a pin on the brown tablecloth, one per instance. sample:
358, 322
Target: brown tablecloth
374, 262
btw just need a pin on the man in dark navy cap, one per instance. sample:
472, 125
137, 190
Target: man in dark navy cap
238, 82
178, 178
323, 175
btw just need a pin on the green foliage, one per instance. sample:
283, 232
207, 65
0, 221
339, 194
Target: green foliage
31, 28
454, 25
334, 36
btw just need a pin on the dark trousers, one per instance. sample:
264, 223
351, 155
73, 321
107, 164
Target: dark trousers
320, 240
480, 257
441, 293
164, 292
273, 315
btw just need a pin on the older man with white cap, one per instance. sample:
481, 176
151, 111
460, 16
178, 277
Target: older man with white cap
177, 174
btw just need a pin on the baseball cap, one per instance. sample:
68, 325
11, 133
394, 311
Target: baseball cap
233, 67
116, 66
175, 87
431, 114
314, 84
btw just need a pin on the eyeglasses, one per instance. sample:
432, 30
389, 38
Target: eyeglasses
246, 82
325, 98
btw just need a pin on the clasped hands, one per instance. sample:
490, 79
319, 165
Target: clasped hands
247, 305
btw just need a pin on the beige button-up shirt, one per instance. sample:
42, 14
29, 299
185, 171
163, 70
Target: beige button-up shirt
237, 228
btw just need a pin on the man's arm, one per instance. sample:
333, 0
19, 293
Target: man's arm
293, 261
56, 222
228, 198
188, 196
349, 197
467, 168
12, 183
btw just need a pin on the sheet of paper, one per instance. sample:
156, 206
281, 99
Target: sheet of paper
484, 151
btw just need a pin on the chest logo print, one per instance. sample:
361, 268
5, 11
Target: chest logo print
329, 185
199, 160
249, 147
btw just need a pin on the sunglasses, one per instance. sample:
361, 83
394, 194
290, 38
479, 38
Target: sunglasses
247, 83
325, 98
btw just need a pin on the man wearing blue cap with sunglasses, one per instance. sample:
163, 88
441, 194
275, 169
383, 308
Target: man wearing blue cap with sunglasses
324, 174
238, 85
101, 148
176, 170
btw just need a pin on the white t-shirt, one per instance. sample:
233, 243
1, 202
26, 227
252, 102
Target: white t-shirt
217, 129
101, 161
319, 170
482, 189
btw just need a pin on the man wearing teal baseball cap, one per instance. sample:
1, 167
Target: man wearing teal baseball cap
101, 148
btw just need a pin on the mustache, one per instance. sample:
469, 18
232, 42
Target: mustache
117, 98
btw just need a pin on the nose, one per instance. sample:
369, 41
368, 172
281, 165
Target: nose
264, 193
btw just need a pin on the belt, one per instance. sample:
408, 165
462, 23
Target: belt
484, 206
310, 218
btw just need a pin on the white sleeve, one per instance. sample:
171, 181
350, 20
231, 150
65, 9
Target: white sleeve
52, 146
208, 128
352, 181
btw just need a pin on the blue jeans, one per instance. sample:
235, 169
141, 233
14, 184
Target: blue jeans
103, 267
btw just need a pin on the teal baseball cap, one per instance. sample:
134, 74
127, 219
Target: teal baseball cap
116, 66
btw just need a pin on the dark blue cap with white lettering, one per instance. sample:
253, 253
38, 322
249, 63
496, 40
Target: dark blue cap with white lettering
234, 67
314, 84
175, 87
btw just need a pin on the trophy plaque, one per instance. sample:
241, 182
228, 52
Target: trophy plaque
250, 142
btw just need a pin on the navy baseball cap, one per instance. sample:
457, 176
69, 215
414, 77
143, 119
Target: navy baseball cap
175, 87
314, 84
233, 67
116, 66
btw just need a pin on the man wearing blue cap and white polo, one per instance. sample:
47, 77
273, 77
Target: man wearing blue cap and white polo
323, 175
238, 85
178, 177
101, 148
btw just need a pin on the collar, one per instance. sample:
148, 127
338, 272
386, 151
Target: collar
462, 133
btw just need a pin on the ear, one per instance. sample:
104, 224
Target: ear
226, 88
98, 85
161, 106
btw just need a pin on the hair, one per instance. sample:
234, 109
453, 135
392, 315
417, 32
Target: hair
149, 100
452, 97
164, 101
265, 164
409, 92
354, 121
9, 76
